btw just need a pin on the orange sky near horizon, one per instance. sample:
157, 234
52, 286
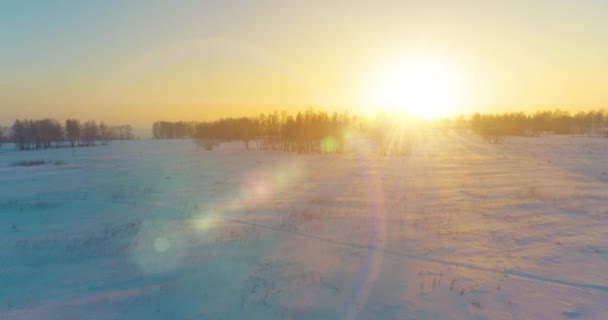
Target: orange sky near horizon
142, 61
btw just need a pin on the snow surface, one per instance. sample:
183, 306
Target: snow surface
160, 230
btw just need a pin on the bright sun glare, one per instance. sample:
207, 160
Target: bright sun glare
421, 87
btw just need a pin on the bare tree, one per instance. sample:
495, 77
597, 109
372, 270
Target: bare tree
89, 133
125, 132
3, 131
72, 131
19, 134
104, 133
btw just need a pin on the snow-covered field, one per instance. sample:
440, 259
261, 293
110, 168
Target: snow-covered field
160, 230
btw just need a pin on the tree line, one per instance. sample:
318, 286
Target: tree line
48, 133
321, 132
495, 127
173, 130
305, 132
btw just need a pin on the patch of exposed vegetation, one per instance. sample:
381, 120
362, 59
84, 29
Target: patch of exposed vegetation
36, 163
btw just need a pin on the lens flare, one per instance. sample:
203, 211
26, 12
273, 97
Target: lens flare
328, 145
207, 222
159, 246
376, 236
256, 188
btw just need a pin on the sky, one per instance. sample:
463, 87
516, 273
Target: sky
139, 61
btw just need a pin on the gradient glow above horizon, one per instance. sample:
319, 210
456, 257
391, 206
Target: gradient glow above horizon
138, 61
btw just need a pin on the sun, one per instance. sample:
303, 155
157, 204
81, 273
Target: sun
421, 87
